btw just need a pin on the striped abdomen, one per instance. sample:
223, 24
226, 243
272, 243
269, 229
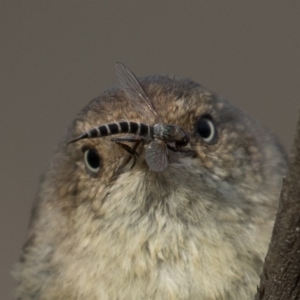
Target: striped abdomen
136, 128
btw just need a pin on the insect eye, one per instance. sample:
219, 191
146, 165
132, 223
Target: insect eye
92, 161
207, 130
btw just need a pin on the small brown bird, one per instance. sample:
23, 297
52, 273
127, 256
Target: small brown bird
190, 220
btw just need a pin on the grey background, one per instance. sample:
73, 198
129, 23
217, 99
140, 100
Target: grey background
55, 56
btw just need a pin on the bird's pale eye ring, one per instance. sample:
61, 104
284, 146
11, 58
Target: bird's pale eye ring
207, 130
92, 161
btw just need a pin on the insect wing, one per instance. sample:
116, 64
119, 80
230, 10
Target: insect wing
135, 91
157, 156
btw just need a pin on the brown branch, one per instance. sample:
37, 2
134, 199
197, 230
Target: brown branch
281, 273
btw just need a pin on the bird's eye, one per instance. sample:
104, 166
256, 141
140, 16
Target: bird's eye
92, 161
207, 130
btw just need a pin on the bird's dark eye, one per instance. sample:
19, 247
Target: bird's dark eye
207, 130
92, 160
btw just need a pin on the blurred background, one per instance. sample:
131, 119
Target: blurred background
55, 56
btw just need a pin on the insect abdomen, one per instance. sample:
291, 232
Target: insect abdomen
138, 128
115, 128
124, 127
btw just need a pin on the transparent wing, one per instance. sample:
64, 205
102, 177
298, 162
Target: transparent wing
135, 91
157, 156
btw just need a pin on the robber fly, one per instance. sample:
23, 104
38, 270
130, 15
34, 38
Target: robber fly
159, 137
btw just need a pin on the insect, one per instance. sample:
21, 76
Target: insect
159, 137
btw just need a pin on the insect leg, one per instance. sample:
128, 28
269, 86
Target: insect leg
172, 146
175, 148
127, 148
131, 139
185, 150
130, 150
134, 148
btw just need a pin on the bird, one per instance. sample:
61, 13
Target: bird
105, 228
